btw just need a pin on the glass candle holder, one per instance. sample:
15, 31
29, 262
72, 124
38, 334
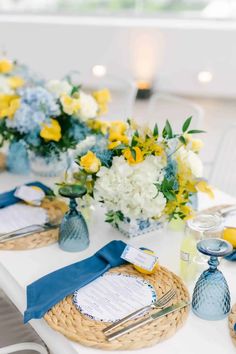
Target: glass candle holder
73, 231
211, 296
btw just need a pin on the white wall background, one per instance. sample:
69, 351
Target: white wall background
169, 52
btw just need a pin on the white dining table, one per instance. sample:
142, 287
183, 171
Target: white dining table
20, 268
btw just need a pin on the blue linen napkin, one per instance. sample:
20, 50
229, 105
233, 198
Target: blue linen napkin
8, 198
50, 289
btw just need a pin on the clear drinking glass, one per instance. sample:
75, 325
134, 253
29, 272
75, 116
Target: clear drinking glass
200, 227
211, 296
73, 232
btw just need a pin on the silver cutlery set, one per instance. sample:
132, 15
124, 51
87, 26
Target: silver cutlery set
26, 231
159, 304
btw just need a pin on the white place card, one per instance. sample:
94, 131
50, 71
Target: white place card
139, 258
113, 296
20, 215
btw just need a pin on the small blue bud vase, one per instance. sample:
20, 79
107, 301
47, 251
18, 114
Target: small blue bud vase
211, 296
73, 231
17, 158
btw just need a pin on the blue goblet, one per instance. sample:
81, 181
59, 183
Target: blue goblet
211, 296
73, 232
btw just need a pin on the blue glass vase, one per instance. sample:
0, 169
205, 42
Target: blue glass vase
211, 296
73, 231
17, 158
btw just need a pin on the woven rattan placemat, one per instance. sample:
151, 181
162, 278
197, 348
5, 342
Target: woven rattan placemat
66, 319
2, 162
232, 321
55, 209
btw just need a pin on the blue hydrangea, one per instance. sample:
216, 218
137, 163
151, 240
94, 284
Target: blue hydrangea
39, 99
37, 107
171, 172
33, 138
78, 131
105, 156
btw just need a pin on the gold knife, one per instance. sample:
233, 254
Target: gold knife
150, 318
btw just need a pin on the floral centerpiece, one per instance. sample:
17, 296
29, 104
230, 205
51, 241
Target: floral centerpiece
142, 177
13, 77
50, 120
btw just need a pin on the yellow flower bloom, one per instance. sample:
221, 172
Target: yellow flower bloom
15, 82
98, 125
90, 162
52, 131
118, 137
102, 97
197, 145
194, 144
9, 104
113, 145
203, 186
5, 66
130, 158
118, 127
70, 104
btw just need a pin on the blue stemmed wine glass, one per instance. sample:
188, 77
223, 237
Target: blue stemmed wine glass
73, 231
211, 296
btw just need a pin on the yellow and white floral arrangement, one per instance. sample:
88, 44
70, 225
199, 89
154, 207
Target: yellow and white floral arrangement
143, 177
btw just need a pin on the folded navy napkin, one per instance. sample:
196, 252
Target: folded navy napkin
50, 289
8, 198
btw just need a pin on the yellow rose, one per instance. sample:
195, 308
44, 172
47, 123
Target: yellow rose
102, 97
70, 104
15, 82
52, 131
130, 158
90, 162
9, 104
5, 66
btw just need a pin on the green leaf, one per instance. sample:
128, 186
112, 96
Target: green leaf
155, 131
136, 133
196, 131
167, 131
186, 124
120, 147
169, 195
133, 153
182, 140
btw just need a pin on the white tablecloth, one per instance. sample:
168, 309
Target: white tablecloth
20, 268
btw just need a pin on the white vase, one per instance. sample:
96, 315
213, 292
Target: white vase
50, 166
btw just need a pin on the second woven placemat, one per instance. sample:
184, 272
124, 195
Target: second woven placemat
232, 322
66, 319
55, 209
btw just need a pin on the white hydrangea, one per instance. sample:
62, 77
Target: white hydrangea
191, 160
131, 189
4, 86
88, 106
58, 87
